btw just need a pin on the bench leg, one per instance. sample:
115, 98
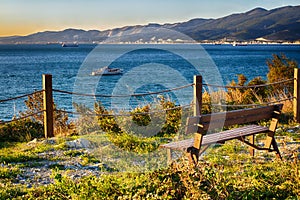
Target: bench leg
251, 141
169, 156
193, 155
269, 139
274, 144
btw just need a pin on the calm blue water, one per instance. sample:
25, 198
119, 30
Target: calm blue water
22, 66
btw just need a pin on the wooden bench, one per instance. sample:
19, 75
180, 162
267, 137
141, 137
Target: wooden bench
199, 125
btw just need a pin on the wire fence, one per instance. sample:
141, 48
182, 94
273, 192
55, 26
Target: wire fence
126, 114
21, 96
126, 95
131, 113
251, 105
250, 86
22, 117
14, 118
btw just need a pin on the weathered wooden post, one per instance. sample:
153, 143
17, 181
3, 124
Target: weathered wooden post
48, 105
197, 95
296, 100
194, 152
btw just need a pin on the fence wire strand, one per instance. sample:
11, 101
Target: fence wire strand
250, 105
125, 95
20, 118
21, 96
250, 86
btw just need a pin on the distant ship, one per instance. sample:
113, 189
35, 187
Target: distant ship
69, 44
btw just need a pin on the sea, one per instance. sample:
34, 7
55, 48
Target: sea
146, 69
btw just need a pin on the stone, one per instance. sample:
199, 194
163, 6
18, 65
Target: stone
34, 141
79, 143
49, 141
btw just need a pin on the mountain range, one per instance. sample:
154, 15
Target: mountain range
280, 24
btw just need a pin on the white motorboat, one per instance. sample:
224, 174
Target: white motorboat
107, 71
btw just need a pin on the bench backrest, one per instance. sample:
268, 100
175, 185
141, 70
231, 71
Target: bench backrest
224, 119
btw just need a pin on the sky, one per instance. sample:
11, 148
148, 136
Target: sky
23, 17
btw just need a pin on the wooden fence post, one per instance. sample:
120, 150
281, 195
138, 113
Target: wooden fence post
48, 105
197, 95
296, 100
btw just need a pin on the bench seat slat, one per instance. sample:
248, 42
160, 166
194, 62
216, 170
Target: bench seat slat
218, 137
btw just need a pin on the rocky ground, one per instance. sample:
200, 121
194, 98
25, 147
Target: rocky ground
72, 161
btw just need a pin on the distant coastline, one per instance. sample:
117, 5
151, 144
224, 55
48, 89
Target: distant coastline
257, 26
244, 43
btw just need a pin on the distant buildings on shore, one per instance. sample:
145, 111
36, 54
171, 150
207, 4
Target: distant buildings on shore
227, 41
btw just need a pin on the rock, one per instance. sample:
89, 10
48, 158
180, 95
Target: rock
49, 141
79, 143
32, 142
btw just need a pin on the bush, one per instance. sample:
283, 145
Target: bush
139, 116
34, 104
21, 131
134, 133
105, 118
281, 68
86, 123
172, 120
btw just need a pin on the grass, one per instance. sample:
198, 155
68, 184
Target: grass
275, 180
225, 172
17, 152
9, 172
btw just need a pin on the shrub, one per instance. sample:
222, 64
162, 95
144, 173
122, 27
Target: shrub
34, 104
172, 120
106, 120
85, 123
21, 131
247, 95
140, 115
142, 137
281, 68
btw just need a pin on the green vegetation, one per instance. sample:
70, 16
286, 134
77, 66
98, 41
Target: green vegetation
9, 173
16, 153
133, 133
227, 173
281, 68
22, 130
34, 104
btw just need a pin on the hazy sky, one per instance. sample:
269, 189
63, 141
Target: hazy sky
23, 17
